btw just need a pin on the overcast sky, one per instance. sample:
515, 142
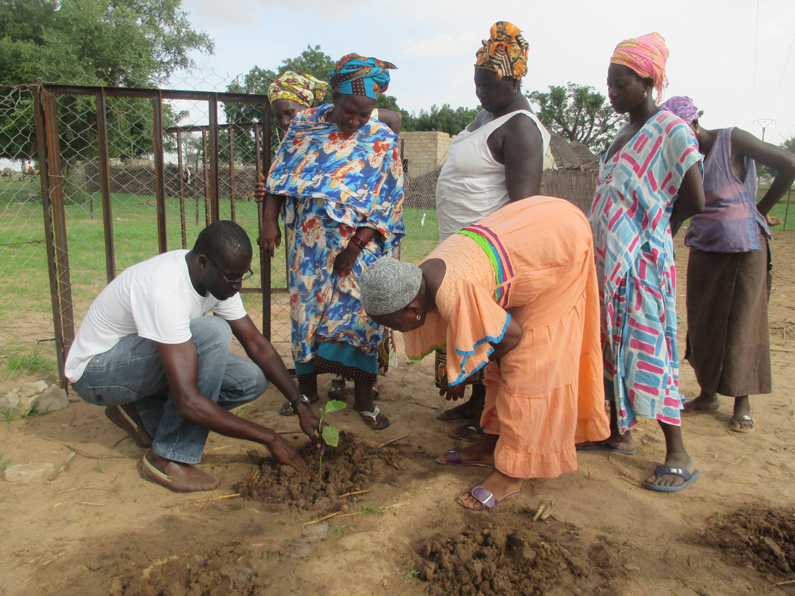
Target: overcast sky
735, 58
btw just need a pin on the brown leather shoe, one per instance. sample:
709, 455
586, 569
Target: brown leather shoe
176, 476
126, 418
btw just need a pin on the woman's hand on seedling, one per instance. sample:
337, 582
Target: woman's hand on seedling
310, 422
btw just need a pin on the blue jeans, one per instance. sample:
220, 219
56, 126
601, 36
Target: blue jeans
131, 372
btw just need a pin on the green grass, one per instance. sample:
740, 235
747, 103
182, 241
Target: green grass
25, 301
20, 362
4, 463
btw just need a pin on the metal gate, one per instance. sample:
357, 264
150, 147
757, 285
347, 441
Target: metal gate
139, 198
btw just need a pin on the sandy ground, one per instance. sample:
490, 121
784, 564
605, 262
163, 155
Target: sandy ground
98, 528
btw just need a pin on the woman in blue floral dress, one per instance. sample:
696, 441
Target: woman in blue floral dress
337, 179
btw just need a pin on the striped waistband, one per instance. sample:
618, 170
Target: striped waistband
491, 245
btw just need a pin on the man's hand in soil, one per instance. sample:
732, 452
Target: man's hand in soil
283, 451
309, 422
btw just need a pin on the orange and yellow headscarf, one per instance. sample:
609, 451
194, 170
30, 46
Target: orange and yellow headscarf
298, 87
505, 52
646, 55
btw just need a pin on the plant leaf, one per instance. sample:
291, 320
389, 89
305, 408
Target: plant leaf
331, 435
334, 405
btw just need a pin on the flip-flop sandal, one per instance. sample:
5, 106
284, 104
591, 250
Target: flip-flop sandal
604, 446
663, 470
453, 458
486, 499
736, 424
374, 416
471, 433
286, 410
337, 390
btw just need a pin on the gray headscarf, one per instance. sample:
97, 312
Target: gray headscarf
388, 285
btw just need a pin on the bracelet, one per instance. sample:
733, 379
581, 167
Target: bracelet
358, 242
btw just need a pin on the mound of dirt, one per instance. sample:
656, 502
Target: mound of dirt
225, 569
544, 558
351, 466
764, 538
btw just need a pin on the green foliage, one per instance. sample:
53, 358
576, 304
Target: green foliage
312, 61
4, 463
113, 43
329, 433
19, 362
444, 119
763, 170
578, 113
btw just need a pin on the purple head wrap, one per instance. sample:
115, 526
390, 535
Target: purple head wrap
683, 107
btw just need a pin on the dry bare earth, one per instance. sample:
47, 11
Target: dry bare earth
97, 528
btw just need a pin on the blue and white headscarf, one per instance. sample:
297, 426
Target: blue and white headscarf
358, 75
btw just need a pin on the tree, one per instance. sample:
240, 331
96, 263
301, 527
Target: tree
444, 119
578, 113
763, 170
130, 43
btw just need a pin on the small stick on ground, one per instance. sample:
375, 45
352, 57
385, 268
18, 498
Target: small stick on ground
80, 452
324, 518
221, 497
399, 504
791, 581
63, 467
357, 492
92, 504
392, 441
254, 477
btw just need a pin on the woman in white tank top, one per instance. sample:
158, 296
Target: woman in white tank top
496, 160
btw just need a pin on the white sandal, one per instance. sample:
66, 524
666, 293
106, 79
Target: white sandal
374, 415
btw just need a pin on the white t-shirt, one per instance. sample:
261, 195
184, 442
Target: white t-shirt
155, 300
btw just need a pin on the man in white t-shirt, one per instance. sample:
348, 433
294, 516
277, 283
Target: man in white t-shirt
164, 371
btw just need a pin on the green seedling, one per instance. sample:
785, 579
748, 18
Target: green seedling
4, 463
329, 433
100, 468
411, 574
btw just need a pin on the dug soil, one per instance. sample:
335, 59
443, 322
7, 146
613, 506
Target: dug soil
380, 518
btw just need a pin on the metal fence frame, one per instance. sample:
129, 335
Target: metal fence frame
52, 186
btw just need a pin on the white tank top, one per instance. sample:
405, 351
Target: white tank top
472, 183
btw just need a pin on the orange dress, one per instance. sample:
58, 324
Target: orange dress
531, 260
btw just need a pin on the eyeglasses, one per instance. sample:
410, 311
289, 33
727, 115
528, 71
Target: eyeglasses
231, 281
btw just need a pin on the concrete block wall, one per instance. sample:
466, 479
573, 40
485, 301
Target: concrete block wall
424, 151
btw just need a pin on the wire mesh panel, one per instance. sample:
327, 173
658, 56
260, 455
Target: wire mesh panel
27, 349
132, 173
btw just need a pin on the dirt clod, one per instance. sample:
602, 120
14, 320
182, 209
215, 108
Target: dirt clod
351, 466
497, 560
762, 537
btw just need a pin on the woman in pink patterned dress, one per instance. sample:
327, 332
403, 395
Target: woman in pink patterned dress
649, 183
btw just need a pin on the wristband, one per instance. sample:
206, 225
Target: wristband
301, 399
358, 242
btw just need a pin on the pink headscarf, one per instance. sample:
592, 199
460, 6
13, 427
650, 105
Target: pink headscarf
646, 55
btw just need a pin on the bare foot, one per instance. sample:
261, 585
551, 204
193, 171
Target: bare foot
498, 484
703, 403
